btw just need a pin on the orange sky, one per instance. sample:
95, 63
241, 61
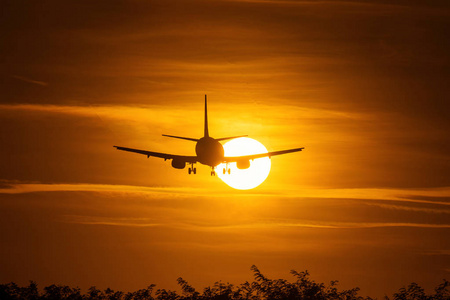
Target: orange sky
362, 85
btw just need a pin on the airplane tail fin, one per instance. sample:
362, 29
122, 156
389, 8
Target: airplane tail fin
206, 134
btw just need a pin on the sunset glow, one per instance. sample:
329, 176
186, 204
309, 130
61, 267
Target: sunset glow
254, 175
362, 85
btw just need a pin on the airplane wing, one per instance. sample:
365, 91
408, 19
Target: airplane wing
187, 159
255, 156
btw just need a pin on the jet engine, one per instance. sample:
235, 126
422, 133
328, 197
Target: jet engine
178, 164
243, 164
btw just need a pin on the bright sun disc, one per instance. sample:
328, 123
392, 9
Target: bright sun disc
245, 179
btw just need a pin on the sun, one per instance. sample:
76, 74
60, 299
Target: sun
244, 179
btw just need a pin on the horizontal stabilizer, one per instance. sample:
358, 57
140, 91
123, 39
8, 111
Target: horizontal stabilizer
181, 137
230, 138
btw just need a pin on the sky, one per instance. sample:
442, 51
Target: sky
362, 85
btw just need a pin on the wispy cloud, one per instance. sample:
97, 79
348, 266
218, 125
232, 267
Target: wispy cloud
109, 221
369, 194
29, 80
192, 214
266, 224
410, 208
141, 113
362, 6
444, 252
349, 225
119, 119
401, 195
21, 188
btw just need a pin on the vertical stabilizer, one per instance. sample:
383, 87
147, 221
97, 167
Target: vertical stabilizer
206, 119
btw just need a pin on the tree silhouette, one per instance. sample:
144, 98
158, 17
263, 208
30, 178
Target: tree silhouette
415, 292
143, 294
262, 288
56, 292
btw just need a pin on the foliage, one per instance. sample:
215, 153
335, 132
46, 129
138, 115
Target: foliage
415, 292
262, 288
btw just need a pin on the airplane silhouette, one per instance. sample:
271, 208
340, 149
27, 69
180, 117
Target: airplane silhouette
209, 152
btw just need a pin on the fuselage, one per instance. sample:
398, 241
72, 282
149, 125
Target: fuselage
209, 151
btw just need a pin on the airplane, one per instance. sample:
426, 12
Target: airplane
209, 152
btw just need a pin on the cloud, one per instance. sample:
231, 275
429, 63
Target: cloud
438, 252
267, 224
401, 195
141, 113
25, 79
318, 225
22, 188
109, 221
368, 194
350, 225
362, 7
410, 208
196, 209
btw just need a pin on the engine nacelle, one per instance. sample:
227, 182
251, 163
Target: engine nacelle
243, 164
178, 164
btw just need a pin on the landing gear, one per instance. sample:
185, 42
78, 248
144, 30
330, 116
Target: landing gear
213, 171
192, 169
226, 170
